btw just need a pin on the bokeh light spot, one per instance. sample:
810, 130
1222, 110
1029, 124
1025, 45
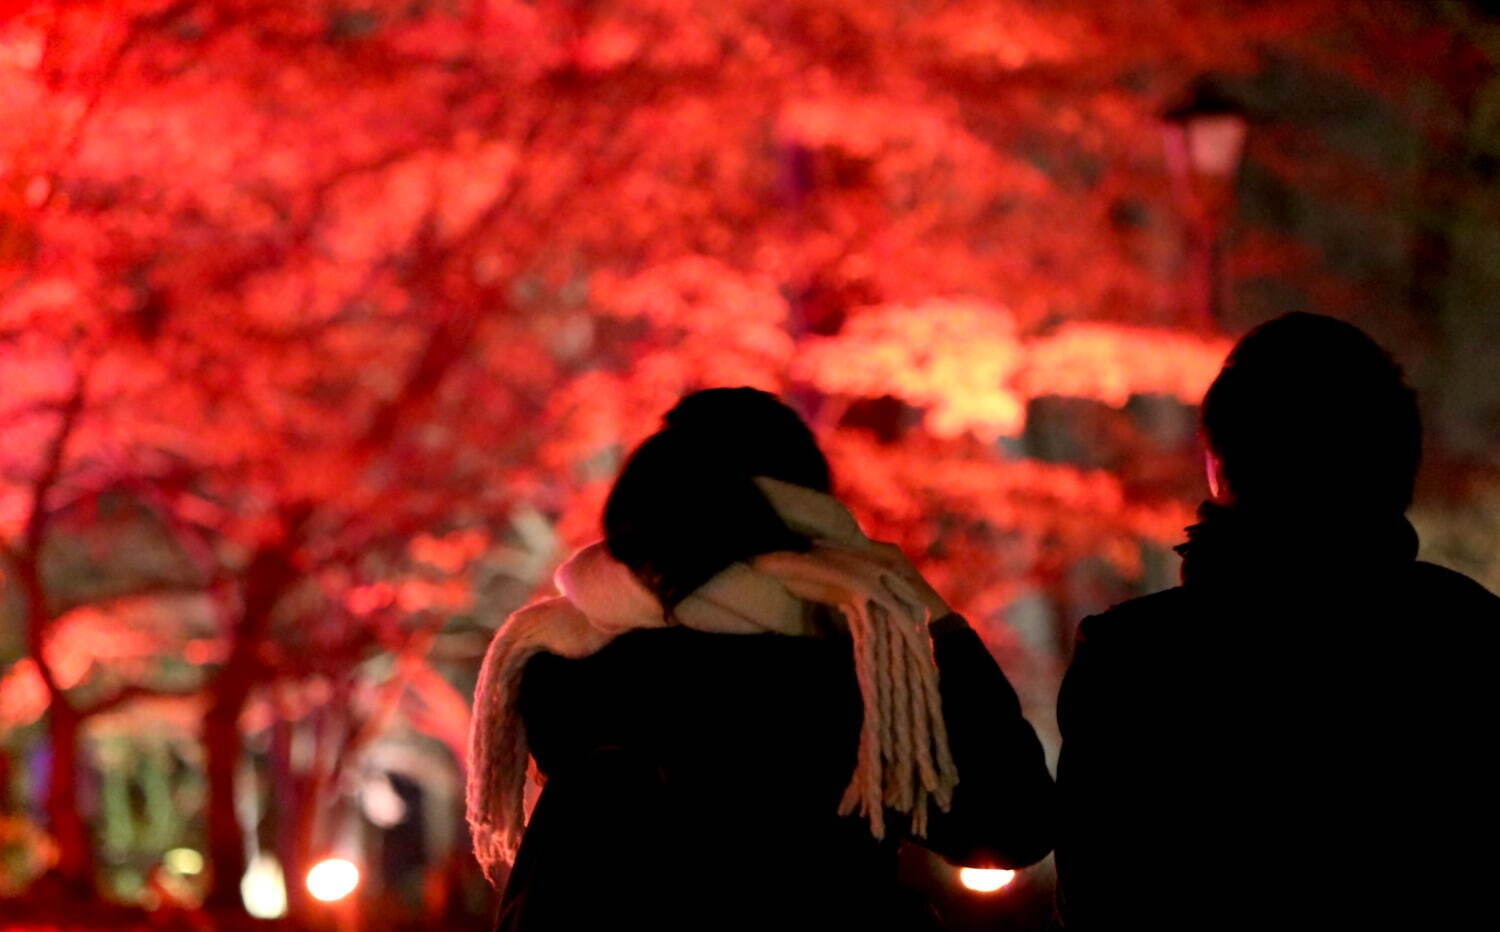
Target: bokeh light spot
985, 881
332, 879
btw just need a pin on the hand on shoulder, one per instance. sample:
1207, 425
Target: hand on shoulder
894, 558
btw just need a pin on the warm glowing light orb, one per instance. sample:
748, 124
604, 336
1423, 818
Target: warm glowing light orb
332, 879
985, 881
183, 861
263, 888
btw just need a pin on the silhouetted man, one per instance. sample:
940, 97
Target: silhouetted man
1301, 734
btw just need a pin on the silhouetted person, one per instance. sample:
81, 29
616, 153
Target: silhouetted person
698, 699
1300, 735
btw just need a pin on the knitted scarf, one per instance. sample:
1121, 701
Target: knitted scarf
903, 761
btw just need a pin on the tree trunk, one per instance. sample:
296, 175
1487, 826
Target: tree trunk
75, 856
5, 777
266, 578
74, 870
287, 807
226, 841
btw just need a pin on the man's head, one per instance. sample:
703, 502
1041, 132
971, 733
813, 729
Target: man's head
1308, 411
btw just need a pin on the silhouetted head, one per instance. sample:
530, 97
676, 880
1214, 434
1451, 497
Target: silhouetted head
685, 506
1310, 413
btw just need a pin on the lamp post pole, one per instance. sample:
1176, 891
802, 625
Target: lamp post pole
1204, 142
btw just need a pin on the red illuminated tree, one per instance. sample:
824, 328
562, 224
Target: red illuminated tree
307, 284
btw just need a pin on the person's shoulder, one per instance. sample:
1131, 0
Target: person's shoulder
629, 656
679, 641
637, 646
1138, 617
1454, 586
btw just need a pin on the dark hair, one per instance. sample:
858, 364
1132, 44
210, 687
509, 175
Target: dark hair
685, 507
1309, 411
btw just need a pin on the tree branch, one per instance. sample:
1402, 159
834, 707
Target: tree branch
52, 462
28, 554
146, 590
129, 694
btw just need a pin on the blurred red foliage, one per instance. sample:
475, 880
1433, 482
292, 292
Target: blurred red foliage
345, 300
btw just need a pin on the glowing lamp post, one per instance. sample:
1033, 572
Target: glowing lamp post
1205, 140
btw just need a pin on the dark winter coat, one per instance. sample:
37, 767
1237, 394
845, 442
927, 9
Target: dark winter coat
693, 782
1300, 736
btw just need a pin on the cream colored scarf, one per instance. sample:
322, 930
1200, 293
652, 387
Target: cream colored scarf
903, 759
